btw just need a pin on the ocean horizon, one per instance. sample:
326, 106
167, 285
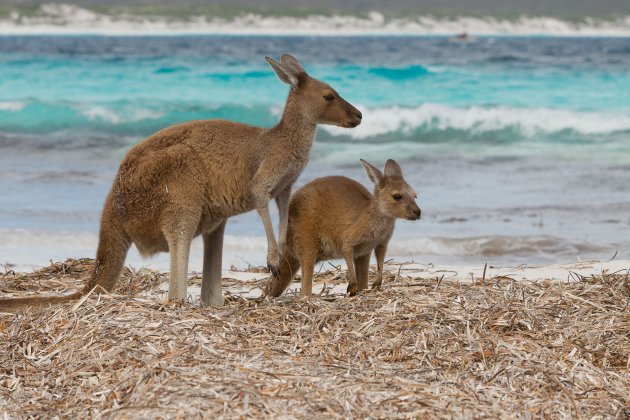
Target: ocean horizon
72, 19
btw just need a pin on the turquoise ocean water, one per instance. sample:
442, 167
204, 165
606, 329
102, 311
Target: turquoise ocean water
519, 146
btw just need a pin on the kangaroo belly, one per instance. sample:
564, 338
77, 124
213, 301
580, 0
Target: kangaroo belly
364, 249
150, 245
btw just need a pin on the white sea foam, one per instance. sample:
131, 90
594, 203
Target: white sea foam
528, 122
70, 19
126, 115
12, 106
101, 113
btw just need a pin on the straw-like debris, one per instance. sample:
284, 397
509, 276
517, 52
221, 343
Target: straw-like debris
418, 347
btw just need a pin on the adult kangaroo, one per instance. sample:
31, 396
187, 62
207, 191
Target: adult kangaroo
188, 179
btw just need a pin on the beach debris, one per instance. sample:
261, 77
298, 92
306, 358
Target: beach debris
418, 347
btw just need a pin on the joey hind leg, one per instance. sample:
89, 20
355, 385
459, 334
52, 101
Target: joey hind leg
362, 269
308, 265
353, 287
379, 252
211, 294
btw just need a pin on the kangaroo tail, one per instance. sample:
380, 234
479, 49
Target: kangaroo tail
112, 249
288, 269
13, 305
113, 244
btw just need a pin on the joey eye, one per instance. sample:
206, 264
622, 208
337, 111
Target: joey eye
329, 97
397, 197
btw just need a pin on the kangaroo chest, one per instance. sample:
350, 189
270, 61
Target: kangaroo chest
290, 161
377, 233
287, 175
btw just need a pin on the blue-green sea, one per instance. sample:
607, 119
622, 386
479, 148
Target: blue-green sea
519, 146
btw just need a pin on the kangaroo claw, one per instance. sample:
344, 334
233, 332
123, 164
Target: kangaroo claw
275, 271
353, 289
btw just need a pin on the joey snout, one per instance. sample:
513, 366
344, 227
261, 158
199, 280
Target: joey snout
414, 213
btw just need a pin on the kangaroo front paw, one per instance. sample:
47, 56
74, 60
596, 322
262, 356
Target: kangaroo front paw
353, 289
273, 262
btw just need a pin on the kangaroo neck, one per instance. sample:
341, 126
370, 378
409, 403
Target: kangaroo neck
375, 214
294, 127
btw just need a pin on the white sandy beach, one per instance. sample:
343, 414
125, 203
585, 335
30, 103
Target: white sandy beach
249, 284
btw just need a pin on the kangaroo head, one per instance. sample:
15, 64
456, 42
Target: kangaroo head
394, 196
316, 100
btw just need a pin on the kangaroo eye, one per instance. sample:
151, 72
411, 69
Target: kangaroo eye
329, 97
397, 197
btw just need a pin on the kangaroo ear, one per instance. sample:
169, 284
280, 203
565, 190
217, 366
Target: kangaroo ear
293, 65
283, 73
392, 168
373, 173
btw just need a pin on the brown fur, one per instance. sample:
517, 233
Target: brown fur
187, 180
336, 217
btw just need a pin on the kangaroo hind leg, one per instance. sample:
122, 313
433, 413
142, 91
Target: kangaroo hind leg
211, 294
362, 268
179, 237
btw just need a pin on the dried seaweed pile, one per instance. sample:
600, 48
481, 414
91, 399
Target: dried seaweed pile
419, 347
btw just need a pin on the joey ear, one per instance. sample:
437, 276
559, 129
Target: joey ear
392, 168
293, 65
373, 173
283, 73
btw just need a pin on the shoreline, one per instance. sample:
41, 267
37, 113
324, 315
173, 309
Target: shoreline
330, 278
248, 284
60, 19
330, 33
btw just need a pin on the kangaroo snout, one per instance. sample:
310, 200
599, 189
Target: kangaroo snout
353, 115
356, 118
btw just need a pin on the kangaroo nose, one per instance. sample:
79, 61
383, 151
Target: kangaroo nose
418, 213
358, 114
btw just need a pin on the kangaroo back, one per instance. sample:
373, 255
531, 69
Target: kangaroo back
325, 207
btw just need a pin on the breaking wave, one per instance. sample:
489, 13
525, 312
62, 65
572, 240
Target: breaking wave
71, 19
430, 119
428, 123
